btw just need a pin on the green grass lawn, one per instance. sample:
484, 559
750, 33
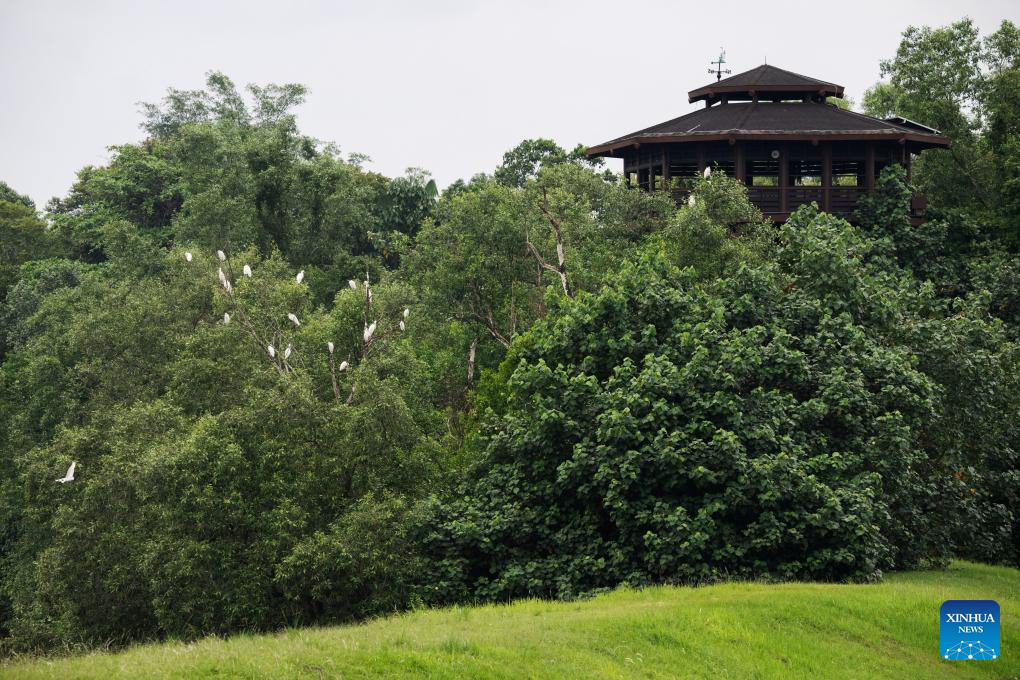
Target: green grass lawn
736, 630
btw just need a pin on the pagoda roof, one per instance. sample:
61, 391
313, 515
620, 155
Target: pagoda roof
766, 82
812, 121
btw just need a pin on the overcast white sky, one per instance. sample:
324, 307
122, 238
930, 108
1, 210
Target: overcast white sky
443, 85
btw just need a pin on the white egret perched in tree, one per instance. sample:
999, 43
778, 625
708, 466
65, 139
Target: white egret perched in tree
293, 318
402, 325
69, 477
329, 346
286, 352
226, 318
227, 286
690, 200
343, 365
369, 330
300, 276
708, 172
223, 277
188, 256
272, 351
220, 254
407, 312
353, 284
247, 271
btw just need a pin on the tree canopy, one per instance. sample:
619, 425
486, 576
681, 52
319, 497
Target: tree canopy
294, 391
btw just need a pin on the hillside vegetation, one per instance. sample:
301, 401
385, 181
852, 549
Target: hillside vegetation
249, 385
732, 630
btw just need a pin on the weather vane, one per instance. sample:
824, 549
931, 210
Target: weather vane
719, 70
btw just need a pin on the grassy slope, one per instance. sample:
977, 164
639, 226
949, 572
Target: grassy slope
889, 630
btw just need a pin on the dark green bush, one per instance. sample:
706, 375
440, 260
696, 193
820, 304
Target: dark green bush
661, 430
362, 564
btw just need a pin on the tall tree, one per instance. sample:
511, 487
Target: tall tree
951, 79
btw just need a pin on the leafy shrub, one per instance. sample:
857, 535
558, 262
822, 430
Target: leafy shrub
661, 430
360, 565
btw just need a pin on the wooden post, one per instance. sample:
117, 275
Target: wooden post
826, 175
869, 168
784, 179
665, 168
701, 159
738, 162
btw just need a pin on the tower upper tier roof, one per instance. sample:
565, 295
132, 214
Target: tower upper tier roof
766, 82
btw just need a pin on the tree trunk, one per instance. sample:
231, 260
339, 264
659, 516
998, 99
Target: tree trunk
471, 363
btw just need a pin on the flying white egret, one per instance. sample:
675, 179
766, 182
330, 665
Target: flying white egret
272, 351
369, 330
247, 271
406, 312
343, 365
300, 276
286, 352
220, 254
188, 256
402, 325
329, 346
293, 317
69, 477
708, 172
226, 318
353, 284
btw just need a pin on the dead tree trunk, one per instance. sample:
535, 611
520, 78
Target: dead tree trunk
560, 268
471, 363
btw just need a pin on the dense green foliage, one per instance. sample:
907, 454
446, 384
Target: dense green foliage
9, 195
774, 422
206, 477
213, 480
297, 391
951, 79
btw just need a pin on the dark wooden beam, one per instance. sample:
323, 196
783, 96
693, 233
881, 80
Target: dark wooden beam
826, 176
738, 162
869, 168
665, 167
784, 178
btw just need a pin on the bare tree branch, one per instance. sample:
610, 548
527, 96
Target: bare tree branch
471, 363
487, 318
560, 269
332, 375
491, 324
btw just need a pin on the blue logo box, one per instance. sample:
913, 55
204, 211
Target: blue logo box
969, 630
